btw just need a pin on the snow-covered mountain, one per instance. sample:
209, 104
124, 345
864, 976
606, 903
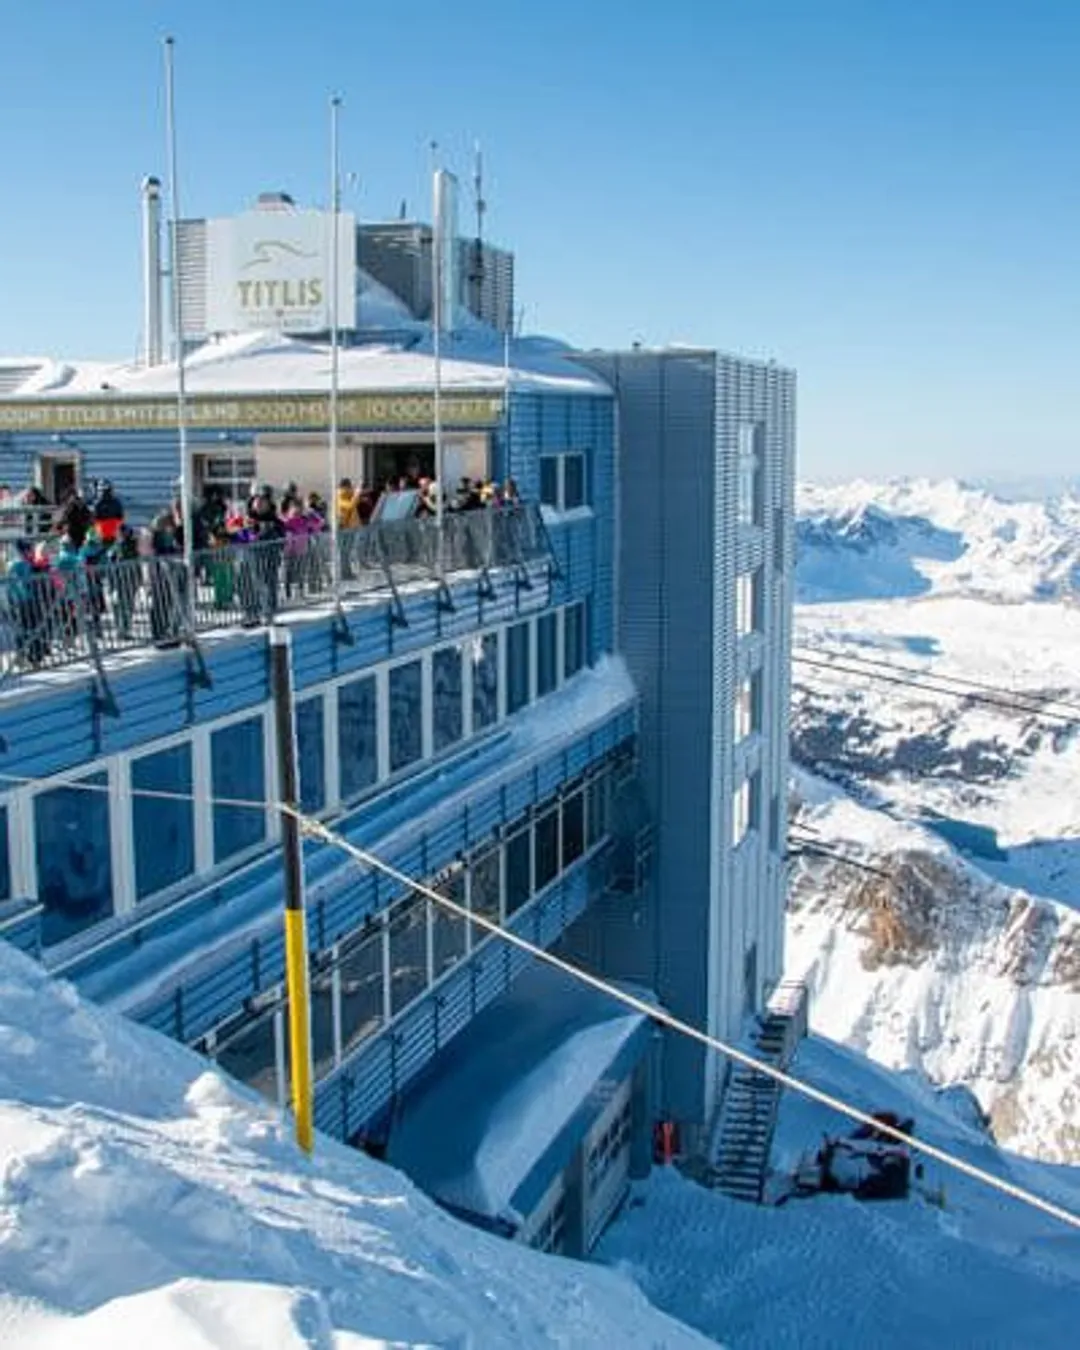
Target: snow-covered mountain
963, 959
908, 538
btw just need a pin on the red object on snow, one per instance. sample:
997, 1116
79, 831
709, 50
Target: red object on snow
665, 1141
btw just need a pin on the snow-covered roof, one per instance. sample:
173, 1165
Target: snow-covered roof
270, 362
510, 1084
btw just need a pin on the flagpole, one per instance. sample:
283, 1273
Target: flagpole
335, 342
178, 325
437, 316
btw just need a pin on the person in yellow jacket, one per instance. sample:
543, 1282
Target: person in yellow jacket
347, 505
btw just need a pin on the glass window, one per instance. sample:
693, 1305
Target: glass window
74, 864
446, 697
549, 480
746, 808
484, 891
748, 602
573, 828
322, 1023
311, 752
518, 870
408, 952
546, 655
485, 658
740, 813
164, 830
749, 472
517, 666
406, 715
774, 823
251, 1055
5, 856
573, 639
448, 930
573, 481
748, 707
238, 771
546, 855
362, 989
597, 805
357, 736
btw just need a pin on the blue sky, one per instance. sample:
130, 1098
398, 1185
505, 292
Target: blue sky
882, 194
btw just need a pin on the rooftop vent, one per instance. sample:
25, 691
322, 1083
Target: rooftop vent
274, 201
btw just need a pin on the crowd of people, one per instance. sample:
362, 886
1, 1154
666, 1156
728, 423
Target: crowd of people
83, 562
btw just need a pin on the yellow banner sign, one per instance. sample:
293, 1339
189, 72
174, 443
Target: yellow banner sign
261, 412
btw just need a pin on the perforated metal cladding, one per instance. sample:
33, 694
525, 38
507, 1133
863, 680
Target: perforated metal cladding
679, 551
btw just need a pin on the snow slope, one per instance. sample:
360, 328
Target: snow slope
981, 983
981, 1273
145, 1201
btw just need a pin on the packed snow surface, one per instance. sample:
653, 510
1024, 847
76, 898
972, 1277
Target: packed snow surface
146, 1202
956, 1265
964, 961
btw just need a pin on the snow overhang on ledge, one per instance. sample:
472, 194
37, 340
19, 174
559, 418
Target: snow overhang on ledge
513, 1095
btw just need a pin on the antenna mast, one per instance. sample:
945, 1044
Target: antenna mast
477, 277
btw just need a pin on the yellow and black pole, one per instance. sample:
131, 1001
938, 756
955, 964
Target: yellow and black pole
296, 954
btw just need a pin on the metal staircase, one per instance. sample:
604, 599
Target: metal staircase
743, 1139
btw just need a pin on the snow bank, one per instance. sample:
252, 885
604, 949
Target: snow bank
827, 1272
146, 1201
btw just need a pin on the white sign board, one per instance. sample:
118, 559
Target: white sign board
272, 269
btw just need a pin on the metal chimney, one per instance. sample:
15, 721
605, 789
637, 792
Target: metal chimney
152, 325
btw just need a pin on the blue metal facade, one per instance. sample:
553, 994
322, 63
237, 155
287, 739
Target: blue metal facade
706, 482
175, 903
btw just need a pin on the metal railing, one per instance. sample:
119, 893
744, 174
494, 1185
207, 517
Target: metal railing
82, 612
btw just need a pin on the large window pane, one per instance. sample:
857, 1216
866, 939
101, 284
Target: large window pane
518, 870
311, 751
546, 674
448, 930
322, 1024
597, 799
251, 1056
74, 865
446, 697
573, 639
5, 857
164, 830
546, 867
406, 724
408, 953
573, 481
238, 772
573, 828
484, 891
549, 480
485, 658
362, 990
357, 736
517, 666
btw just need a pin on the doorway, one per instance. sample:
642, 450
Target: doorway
58, 477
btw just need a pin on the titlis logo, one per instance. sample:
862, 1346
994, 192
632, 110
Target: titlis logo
280, 293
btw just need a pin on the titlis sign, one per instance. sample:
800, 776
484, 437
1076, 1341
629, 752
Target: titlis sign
273, 269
